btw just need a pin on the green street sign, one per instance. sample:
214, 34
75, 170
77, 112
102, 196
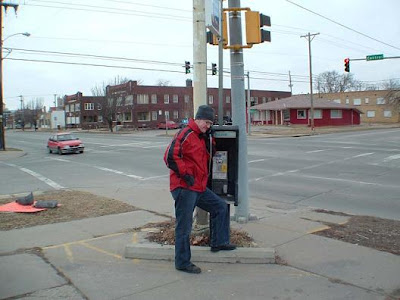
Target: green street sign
375, 57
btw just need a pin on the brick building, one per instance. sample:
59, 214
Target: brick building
375, 105
83, 111
139, 106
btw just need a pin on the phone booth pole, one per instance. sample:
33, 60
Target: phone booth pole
239, 110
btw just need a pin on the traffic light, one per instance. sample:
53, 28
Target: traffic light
187, 67
211, 38
214, 69
347, 64
255, 21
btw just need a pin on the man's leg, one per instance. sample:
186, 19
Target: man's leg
218, 210
185, 202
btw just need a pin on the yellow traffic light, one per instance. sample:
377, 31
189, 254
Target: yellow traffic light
253, 34
254, 21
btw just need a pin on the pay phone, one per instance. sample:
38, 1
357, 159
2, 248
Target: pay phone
224, 165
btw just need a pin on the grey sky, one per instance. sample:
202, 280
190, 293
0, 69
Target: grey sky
161, 32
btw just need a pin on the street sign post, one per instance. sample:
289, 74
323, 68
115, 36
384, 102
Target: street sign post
374, 57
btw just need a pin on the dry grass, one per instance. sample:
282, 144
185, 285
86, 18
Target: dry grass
74, 205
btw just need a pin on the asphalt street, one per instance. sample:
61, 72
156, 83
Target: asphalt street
354, 172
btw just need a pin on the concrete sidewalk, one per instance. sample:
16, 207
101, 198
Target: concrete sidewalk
85, 259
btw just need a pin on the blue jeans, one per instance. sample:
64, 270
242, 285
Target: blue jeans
185, 202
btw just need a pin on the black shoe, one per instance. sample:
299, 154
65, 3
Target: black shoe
226, 247
190, 269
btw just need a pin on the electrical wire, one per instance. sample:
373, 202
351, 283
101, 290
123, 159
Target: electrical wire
124, 2
141, 14
344, 26
92, 65
102, 57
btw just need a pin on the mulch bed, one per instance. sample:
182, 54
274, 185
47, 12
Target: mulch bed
166, 235
377, 233
74, 205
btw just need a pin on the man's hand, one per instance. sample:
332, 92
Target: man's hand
189, 179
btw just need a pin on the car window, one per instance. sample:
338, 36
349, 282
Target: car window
66, 137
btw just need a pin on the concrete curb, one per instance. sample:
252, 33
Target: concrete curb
202, 254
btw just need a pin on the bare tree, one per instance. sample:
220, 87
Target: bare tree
333, 82
110, 106
393, 94
162, 82
32, 111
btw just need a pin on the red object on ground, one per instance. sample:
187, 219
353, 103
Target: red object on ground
18, 208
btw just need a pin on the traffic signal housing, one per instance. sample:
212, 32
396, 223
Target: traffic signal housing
213, 39
347, 64
214, 69
255, 21
187, 67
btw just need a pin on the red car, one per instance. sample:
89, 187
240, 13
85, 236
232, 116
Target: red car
171, 125
65, 143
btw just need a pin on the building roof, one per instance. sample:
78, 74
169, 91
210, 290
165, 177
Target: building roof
302, 102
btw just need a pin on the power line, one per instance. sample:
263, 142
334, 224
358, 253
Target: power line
129, 3
138, 43
347, 27
102, 57
92, 65
141, 14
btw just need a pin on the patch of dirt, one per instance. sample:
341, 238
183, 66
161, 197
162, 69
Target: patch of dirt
166, 235
74, 205
377, 233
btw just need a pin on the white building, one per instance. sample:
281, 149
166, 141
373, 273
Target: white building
57, 119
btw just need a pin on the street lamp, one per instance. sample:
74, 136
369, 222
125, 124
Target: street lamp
19, 33
2, 120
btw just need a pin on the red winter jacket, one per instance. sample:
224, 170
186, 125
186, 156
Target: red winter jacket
188, 154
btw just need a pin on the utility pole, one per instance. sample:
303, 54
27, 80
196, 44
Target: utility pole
290, 83
309, 38
2, 119
22, 112
239, 108
221, 66
248, 104
199, 74
199, 55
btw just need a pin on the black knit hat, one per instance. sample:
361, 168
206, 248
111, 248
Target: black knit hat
205, 112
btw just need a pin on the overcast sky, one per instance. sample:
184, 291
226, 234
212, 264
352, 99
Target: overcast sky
154, 38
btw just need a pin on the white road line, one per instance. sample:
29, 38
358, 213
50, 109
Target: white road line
339, 179
315, 151
59, 159
256, 160
119, 173
389, 158
363, 154
155, 177
48, 181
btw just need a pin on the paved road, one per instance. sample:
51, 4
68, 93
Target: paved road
355, 172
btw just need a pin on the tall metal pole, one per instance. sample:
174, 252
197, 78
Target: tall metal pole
2, 119
239, 109
221, 66
310, 37
248, 104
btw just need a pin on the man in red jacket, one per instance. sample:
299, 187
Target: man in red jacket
188, 157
